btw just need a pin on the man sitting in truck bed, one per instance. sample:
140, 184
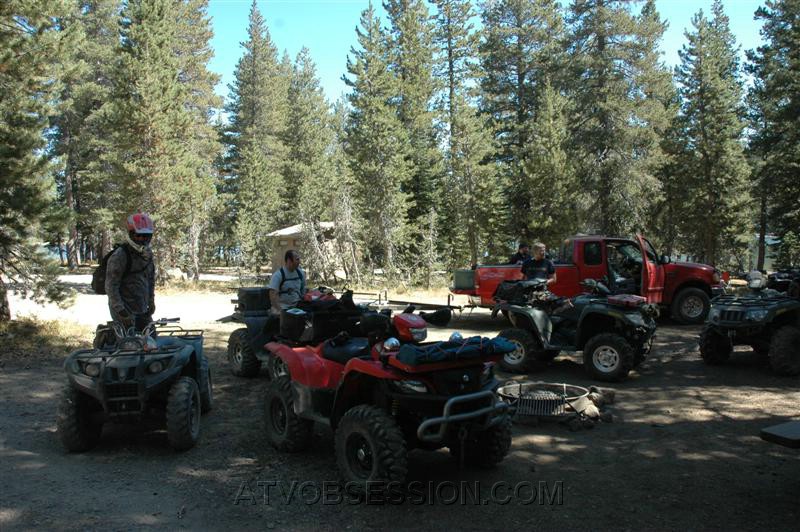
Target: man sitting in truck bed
539, 267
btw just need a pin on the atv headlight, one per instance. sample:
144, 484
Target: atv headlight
757, 314
410, 386
92, 369
713, 314
156, 366
419, 334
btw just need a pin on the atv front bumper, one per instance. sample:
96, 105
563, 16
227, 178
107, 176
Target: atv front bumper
493, 411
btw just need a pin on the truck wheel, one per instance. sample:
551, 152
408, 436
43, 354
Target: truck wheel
715, 347
77, 430
784, 350
244, 362
286, 431
183, 414
487, 448
370, 447
691, 306
206, 387
517, 361
608, 357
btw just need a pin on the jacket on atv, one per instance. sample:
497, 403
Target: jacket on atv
130, 287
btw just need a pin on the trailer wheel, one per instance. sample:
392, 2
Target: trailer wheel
243, 360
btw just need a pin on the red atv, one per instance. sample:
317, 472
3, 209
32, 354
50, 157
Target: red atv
383, 400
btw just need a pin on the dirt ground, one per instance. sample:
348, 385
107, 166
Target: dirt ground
682, 452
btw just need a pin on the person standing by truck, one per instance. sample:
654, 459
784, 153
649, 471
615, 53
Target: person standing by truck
539, 267
523, 254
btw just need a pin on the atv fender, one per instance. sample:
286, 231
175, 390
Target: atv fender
534, 320
305, 366
593, 322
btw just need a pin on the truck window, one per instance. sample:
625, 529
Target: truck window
592, 254
565, 254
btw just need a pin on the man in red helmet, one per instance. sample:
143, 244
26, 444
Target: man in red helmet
130, 276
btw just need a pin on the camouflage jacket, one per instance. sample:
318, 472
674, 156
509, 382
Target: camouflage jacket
135, 291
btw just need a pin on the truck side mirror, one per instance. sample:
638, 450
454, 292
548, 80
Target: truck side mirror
665, 259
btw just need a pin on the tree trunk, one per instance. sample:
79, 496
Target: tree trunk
762, 231
5, 309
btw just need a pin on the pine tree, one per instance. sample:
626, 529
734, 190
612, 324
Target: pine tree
717, 218
165, 141
621, 92
29, 39
411, 50
522, 52
775, 101
377, 146
85, 87
256, 151
472, 219
548, 177
309, 169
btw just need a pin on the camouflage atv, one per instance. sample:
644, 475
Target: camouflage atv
765, 319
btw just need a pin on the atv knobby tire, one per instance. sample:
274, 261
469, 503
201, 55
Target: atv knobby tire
715, 347
520, 360
608, 357
370, 447
244, 362
784, 350
286, 431
691, 306
487, 448
183, 414
77, 430
206, 387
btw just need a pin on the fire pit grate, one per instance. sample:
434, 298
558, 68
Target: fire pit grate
541, 399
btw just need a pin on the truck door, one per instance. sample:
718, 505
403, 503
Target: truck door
593, 265
652, 273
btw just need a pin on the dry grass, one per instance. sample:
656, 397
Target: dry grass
32, 339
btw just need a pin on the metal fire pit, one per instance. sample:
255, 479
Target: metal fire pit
541, 399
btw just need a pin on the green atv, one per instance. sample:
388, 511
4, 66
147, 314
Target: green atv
765, 319
615, 332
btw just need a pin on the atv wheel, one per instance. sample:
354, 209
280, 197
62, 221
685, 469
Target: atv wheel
206, 387
784, 350
691, 306
518, 360
608, 357
277, 367
286, 431
487, 448
370, 447
77, 430
244, 362
715, 348
183, 414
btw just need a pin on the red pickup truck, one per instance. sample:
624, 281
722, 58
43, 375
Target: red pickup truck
628, 266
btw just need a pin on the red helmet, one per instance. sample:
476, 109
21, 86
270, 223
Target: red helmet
140, 223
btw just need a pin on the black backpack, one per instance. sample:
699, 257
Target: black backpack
99, 274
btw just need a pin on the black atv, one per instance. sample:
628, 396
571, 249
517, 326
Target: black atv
246, 352
323, 316
765, 319
615, 332
787, 281
156, 375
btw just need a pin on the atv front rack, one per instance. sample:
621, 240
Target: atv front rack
435, 429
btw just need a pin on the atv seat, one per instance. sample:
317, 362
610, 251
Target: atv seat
352, 348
